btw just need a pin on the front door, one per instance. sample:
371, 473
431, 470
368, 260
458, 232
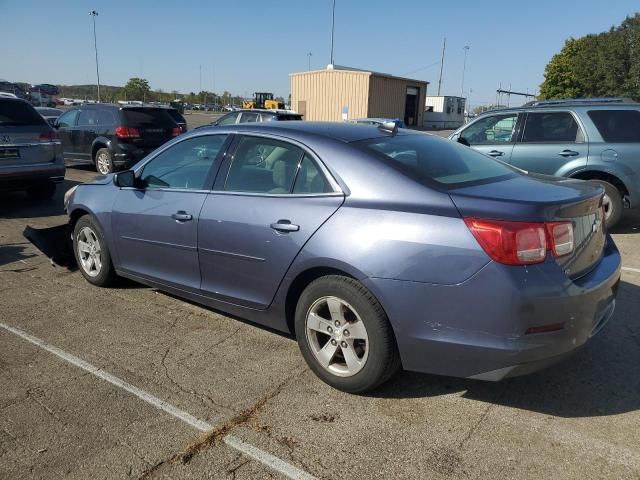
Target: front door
155, 225
272, 200
552, 143
66, 126
492, 135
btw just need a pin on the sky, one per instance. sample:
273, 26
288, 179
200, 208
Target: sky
252, 45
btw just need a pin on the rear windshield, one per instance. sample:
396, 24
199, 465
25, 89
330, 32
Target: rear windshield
434, 160
146, 117
617, 126
176, 116
17, 113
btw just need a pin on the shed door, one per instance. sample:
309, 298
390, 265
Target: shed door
411, 106
302, 108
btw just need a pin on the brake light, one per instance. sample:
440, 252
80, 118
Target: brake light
176, 131
49, 136
522, 243
127, 132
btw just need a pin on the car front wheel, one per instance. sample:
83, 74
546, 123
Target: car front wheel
345, 335
92, 253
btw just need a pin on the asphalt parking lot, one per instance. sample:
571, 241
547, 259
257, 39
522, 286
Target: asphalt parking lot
129, 382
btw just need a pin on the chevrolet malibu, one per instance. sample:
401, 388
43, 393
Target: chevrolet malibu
378, 248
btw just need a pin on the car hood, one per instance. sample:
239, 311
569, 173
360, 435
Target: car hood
100, 180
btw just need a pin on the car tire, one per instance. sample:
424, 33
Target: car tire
104, 162
92, 253
613, 203
353, 361
42, 191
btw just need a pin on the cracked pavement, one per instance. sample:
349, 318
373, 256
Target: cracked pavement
580, 419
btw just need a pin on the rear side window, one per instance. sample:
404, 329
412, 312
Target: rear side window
176, 116
433, 160
248, 117
617, 126
285, 117
88, 117
17, 113
310, 179
551, 127
144, 117
105, 117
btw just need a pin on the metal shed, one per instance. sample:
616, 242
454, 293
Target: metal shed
342, 93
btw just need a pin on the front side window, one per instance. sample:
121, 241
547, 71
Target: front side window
491, 130
228, 119
551, 127
432, 160
185, 165
87, 117
67, 119
617, 126
263, 165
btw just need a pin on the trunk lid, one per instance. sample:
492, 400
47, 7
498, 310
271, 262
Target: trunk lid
540, 198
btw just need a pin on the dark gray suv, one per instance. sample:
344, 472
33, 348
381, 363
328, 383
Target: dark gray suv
588, 139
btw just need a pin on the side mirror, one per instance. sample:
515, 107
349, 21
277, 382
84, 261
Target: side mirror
463, 141
125, 179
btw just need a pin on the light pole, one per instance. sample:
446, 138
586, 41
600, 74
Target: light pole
464, 66
94, 14
309, 58
333, 23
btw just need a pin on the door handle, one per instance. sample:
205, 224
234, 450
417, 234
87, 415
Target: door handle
182, 216
496, 153
285, 226
568, 153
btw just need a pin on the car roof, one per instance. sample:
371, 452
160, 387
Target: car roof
573, 104
342, 131
266, 110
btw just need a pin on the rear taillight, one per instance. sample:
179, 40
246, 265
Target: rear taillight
127, 132
521, 243
176, 131
49, 136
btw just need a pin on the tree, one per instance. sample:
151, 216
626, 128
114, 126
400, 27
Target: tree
485, 108
137, 89
597, 65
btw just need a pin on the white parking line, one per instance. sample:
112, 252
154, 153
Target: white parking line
255, 453
629, 269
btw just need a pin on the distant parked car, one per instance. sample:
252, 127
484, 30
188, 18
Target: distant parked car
257, 115
379, 121
376, 248
595, 139
49, 114
30, 151
113, 136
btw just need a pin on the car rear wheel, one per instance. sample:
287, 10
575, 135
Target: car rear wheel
344, 335
42, 191
104, 162
92, 253
612, 202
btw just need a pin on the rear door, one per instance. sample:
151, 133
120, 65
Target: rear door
20, 130
552, 143
493, 134
155, 226
268, 200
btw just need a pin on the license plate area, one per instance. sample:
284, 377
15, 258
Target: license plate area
9, 152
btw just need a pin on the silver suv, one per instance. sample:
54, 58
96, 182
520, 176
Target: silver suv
590, 139
30, 151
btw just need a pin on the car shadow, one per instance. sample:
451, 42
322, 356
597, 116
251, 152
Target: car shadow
20, 205
629, 223
602, 378
14, 252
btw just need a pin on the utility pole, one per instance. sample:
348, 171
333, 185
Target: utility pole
309, 58
333, 23
444, 46
94, 14
464, 66
200, 81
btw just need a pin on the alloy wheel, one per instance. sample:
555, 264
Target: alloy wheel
337, 336
89, 252
103, 163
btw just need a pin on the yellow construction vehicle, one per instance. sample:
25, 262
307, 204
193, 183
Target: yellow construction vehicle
263, 100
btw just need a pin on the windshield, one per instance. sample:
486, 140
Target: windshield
17, 113
428, 159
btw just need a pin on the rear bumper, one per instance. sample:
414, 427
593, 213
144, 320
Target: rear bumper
477, 329
18, 176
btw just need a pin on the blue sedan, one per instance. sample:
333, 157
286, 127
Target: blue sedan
377, 248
